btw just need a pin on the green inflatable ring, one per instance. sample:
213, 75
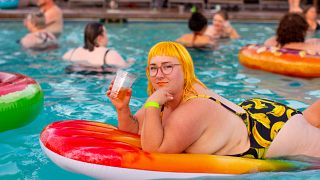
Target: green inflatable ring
21, 100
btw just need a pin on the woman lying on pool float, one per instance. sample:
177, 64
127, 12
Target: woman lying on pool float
182, 115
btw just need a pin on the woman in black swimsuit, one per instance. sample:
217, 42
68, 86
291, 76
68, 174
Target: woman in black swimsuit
94, 55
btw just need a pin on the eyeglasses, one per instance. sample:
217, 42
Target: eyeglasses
218, 21
166, 69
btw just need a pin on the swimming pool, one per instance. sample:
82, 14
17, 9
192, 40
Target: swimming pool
82, 97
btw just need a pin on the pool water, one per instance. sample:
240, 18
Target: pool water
82, 97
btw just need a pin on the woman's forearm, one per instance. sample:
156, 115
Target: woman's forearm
127, 122
152, 132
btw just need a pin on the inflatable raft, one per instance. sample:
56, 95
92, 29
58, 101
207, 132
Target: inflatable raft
285, 61
104, 152
21, 100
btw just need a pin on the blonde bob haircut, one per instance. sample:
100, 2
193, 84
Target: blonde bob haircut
176, 50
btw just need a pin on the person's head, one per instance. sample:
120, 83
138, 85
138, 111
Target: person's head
310, 13
292, 28
197, 22
176, 72
219, 19
95, 35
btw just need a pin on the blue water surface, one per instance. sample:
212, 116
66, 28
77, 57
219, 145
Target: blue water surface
82, 97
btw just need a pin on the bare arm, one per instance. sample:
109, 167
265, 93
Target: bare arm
31, 27
152, 131
114, 58
183, 127
234, 34
126, 121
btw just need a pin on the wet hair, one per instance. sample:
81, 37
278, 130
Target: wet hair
223, 14
176, 50
292, 28
91, 32
197, 22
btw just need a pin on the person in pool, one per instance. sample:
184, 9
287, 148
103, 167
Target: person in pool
44, 27
53, 18
41, 40
197, 39
310, 14
94, 52
291, 33
181, 115
221, 27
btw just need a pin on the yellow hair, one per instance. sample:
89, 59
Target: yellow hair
176, 50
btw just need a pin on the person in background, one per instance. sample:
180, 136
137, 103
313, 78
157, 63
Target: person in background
53, 18
291, 33
39, 40
181, 115
197, 39
44, 27
294, 6
94, 52
310, 14
221, 27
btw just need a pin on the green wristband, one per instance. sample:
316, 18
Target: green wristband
152, 104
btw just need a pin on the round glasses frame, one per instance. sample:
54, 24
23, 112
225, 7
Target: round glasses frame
165, 69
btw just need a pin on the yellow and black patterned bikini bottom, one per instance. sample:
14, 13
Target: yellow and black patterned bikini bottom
264, 119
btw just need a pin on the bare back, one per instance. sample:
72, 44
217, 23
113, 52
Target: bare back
192, 40
309, 45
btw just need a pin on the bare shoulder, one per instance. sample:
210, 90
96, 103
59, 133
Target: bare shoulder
67, 55
191, 116
271, 41
192, 111
185, 40
184, 37
56, 9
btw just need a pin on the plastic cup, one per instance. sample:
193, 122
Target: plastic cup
122, 84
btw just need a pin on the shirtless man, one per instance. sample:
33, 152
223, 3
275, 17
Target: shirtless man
53, 18
44, 36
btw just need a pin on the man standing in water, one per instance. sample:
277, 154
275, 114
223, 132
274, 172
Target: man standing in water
53, 18
44, 27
